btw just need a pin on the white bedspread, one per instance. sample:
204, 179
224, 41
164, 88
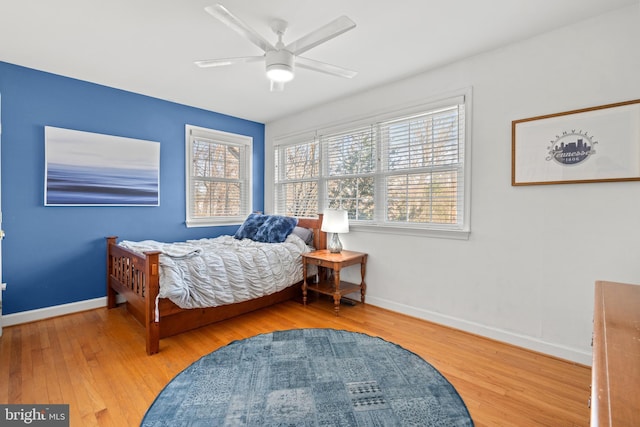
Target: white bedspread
224, 270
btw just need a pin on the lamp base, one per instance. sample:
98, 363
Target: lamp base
334, 245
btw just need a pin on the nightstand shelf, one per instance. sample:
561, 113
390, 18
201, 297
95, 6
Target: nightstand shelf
328, 287
330, 284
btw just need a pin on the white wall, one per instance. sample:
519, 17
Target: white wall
526, 275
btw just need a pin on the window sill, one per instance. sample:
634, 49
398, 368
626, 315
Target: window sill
415, 232
220, 223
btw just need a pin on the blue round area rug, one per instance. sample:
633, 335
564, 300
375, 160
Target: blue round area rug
309, 377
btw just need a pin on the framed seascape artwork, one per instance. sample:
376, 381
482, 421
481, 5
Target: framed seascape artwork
90, 169
596, 144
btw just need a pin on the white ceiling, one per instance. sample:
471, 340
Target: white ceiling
148, 46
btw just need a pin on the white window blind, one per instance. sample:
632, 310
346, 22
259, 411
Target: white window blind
297, 170
218, 177
350, 171
423, 167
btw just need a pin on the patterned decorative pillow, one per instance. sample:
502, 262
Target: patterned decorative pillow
250, 226
275, 229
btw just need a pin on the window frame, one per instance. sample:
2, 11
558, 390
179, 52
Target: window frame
245, 143
453, 231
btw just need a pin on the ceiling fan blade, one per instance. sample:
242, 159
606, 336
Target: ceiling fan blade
276, 86
205, 63
221, 13
321, 35
323, 67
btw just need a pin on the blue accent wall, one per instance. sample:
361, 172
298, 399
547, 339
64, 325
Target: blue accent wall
56, 254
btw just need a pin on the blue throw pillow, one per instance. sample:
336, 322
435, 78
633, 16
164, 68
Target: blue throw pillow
275, 229
250, 226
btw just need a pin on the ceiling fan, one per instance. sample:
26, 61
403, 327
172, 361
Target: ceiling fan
280, 59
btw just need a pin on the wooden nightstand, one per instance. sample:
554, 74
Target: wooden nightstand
335, 287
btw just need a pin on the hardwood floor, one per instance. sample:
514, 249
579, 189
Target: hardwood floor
96, 362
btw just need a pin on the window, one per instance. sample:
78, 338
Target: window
351, 172
218, 177
401, 170
297, 168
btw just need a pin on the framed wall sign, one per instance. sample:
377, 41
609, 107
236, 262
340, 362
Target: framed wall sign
90, 169
596, 144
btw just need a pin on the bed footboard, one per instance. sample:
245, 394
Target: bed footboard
136, 278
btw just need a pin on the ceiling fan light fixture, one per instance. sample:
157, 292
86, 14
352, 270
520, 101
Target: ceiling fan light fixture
279, 66
280, 73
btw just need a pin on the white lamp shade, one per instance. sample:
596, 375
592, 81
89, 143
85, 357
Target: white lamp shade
335, 221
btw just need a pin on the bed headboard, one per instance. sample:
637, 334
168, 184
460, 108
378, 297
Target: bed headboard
315, 224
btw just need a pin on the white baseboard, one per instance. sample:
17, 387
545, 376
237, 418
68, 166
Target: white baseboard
57, 310
562, 352
567, 353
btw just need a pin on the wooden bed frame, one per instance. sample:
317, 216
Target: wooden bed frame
136, 278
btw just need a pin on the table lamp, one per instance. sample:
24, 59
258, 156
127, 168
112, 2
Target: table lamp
335, 221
